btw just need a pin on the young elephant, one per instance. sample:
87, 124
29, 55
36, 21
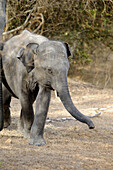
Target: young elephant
33, 66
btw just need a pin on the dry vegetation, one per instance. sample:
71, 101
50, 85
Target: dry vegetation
84, 24
53, 17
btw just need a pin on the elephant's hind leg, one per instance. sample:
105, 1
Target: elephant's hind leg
6, 107
7, 114
21, 123
26, 117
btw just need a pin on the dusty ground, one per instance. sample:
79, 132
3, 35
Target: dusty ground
70, 144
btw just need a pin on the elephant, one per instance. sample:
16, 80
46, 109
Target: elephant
2, 24
6, 106
2, 16
33, 66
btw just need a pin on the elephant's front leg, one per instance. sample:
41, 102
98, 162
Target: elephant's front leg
42, 105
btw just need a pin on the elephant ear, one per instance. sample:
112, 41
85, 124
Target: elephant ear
20, 53
26, 55
33, 47
68, 50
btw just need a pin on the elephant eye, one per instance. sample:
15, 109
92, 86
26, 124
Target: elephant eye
50, 71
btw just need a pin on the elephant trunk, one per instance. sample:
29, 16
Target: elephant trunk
65, 97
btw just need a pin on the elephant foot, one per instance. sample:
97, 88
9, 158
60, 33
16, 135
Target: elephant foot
26, 134
7, 118
7, 122
38, 141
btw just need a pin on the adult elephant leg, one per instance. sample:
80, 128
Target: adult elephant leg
27, 116
2, 24
1, 97
1, 100
2, 16
42, 105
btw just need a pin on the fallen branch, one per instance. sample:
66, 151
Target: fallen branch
50, 120
97, 110
95, 115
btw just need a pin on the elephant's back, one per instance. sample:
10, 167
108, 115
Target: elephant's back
12, 46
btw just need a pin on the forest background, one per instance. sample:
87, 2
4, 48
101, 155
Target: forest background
87, 25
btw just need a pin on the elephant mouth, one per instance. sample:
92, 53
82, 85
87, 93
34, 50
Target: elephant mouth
56, 94
49, 87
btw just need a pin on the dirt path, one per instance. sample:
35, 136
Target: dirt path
70, 144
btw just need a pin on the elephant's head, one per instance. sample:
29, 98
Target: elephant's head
51, 67
26, 55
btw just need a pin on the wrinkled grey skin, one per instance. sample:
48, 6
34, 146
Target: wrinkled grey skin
38, 65
2, 24
6, 106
